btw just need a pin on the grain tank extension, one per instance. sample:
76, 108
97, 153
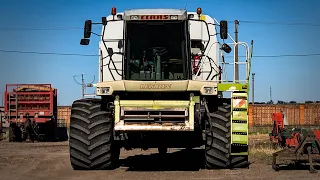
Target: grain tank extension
162, 74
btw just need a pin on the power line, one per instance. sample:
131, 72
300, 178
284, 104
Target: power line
284, 55
78, 28
75, 54
46, 53
42, 29
280, 23
37, 29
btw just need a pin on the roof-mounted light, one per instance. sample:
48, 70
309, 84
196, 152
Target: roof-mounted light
113, 11
199, 11
134, 17
174, 17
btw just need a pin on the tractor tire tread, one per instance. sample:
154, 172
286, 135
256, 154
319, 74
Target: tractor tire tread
91, 134
217, 152
217, 149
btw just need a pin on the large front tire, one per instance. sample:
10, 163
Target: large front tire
218, 140
91, 136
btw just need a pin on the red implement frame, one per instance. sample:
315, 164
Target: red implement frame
317, 133
278, 121
278, 125
39, 100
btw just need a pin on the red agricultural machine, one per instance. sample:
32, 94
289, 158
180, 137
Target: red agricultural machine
31, 110
1, 126
299, 145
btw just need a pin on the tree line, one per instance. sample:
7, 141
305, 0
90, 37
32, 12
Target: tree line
285, 102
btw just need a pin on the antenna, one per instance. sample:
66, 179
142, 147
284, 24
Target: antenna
236, 54
83, 84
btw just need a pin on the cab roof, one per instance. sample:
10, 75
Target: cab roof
155, 12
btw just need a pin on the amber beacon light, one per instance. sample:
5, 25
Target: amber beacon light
113, 11
199, 11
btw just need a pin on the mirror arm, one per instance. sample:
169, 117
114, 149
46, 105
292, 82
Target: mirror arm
96, 34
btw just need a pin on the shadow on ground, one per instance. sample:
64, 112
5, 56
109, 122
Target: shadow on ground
298, 167
183, 160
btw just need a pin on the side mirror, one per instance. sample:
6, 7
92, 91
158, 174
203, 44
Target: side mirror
84, 41
87, 29
224, 29
104, 21
226, 48
110, 51
120, 44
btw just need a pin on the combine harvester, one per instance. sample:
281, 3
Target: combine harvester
31, 110
300, 145
161, 86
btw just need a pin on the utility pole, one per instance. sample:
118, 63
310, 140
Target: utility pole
2, 99
236, 55
270, 95
83, 84
253, 74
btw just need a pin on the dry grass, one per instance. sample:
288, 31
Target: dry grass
263, 153
260, 147
255, 130
258, 136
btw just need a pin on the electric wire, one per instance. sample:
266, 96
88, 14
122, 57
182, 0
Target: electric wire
94, 55
280, 23
284, 23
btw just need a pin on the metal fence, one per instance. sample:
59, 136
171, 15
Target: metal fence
297, 114
259, 114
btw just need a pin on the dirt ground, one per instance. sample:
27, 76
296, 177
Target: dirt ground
45, 161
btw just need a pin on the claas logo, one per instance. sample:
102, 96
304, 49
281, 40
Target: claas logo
154, 17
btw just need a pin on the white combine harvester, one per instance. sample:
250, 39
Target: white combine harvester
161, 87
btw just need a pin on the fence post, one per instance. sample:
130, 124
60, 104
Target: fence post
301, 115
250, 112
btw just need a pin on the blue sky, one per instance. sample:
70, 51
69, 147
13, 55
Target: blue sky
291, 78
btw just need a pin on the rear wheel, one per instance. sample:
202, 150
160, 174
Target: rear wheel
91, 136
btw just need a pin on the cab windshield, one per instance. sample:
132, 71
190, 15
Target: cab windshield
156, 50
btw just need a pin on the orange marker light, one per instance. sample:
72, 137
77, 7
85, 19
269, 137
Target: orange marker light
199, 11
113, 11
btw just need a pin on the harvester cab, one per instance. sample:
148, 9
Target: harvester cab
161, 85
159, 45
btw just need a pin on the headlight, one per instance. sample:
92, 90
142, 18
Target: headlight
134, 17
105, 90
208, 90
175, 17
